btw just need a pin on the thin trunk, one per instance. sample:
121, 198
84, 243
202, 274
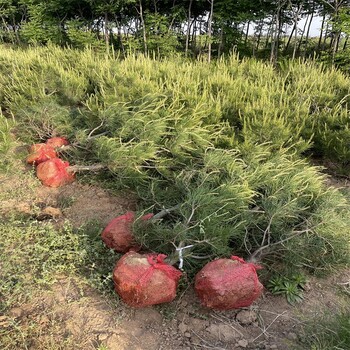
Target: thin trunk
336, 39
296, 31
143, 28
120, 36
188, 28
325, 38
210, 28
346, 42
321, 33
290, 38
303, 32
106, 32
259, 36
309, 27
221, 44
246, 34
275, 36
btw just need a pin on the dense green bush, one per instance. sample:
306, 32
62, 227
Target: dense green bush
222, 142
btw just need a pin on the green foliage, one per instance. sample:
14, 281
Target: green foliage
34, 253
223, 142
6, 142
291, 287
328, 332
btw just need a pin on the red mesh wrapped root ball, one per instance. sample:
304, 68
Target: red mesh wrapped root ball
226, 284
53, 173
118, 234
40, 152
57, 142
144, 280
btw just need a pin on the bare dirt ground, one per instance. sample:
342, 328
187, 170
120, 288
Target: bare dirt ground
72, 315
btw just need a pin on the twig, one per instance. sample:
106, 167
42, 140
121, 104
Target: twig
255, 255
209, 346
93, 130
265, 329
227, 323
77, 168
164, 212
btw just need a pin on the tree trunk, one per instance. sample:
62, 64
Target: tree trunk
296, 31
259, 36
325, 38
210, 19
143, 28
120, 37
221, 44
290, 38
346, 42
321, 33
303, 32
309, 27
275, 36
246, 34
106, 31
188, 28
335, 45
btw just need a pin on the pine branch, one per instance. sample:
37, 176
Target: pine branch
78, 168
257, 255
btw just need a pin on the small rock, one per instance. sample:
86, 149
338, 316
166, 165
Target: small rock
183, 327
243, 343
187, 334
273, 346
246, 317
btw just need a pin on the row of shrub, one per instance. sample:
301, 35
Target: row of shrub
223, 142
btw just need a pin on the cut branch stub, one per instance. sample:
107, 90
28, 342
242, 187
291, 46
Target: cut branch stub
78, 168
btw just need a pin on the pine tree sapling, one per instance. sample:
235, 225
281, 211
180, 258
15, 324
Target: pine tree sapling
53, 173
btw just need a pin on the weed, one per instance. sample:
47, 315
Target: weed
291, 287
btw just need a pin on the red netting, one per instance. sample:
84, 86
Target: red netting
53, 173
40, 152
226, 284
118, 234
57, 142
144, 280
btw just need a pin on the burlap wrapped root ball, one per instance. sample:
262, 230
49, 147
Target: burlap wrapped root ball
56, 142
53, 173
118, 234
39, 153
144, 280
226, 284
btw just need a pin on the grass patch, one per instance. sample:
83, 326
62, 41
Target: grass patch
329, 332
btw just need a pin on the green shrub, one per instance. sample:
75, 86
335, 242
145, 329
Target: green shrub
223, 142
